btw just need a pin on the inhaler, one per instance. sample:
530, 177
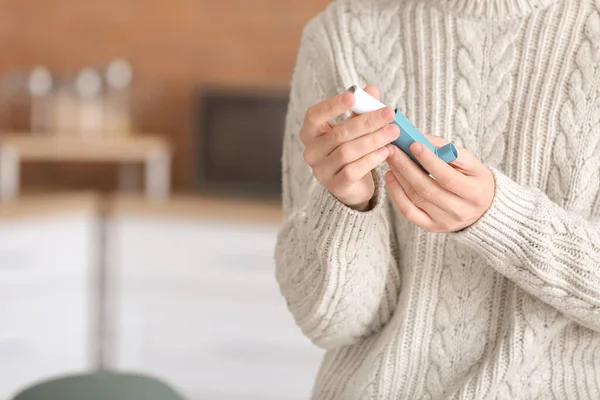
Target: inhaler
364, 103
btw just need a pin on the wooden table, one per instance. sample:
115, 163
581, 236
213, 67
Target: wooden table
151, 151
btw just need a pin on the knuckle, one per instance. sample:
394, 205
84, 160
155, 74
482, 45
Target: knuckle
302, 136
374, 159
478, 197
372, 121
426, 191
480, 200
386, 133
417, 199
338, 134
311, 117
367, 123
401, 167
410, 214
416, 195
348, 174
456, 213
308, 157
345, 154
410, 193
451, 184
430, 193
374, 141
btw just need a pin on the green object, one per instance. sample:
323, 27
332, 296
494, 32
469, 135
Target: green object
100, 386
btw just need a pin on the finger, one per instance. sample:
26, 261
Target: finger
425, 189
404, 205
318, 116
434, 211
354, 128
444, 174
466, 162
373, 91
353, 172
437, 141
353, 150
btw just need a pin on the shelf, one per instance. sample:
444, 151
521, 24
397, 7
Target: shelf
70, 148
153, 152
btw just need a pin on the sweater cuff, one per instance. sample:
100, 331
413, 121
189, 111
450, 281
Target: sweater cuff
503, 230
333, 220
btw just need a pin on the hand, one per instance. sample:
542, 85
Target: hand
451, 199
343, 155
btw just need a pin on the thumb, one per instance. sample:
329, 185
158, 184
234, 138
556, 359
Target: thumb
466, 162
373, 91
437, 141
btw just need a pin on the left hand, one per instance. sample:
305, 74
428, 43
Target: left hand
451, 199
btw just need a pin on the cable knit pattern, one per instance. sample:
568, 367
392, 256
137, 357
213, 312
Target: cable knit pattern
459, 325
461, 328
576, 169
508, 308
382, 58
495, 114
471, 36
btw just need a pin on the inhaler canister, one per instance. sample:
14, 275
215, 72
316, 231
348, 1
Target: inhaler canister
364, 103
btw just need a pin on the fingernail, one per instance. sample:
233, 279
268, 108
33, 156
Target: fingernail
384, 152
392, 149
417, 148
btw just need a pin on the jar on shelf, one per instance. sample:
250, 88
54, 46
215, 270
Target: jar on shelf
117, 100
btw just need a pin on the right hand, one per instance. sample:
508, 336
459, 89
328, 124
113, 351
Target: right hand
343, 156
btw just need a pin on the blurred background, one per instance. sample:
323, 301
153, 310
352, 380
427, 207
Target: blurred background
140, 147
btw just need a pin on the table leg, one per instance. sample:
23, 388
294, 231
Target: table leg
9, 173
158, 175
129, 177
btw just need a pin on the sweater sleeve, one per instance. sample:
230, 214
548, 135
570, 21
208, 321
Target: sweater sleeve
335, 266
552, 254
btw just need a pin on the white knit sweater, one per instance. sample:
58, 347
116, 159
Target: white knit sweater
508, 308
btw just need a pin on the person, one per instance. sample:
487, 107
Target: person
482, 279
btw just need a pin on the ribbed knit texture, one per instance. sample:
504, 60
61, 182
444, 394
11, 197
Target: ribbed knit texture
508, 308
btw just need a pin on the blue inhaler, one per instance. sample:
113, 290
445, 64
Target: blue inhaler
364, 103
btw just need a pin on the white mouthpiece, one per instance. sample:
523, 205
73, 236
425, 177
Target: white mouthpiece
363, 101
